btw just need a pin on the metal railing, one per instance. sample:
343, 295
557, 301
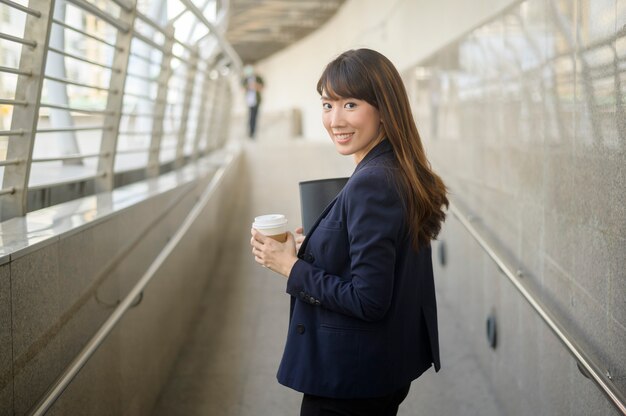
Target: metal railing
124, 32
601, 377
82, 32
21, 8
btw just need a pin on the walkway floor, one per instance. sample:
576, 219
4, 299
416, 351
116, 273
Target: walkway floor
229, 363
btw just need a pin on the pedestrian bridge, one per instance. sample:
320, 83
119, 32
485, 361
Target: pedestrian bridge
127, 285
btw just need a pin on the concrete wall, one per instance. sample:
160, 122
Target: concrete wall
524, 119
56, 293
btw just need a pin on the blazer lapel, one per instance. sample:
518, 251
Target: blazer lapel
322, 215
380, 149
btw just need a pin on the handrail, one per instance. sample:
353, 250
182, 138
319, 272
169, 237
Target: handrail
601, 377
94, 343
80, 84
90, 8
15, 39
15, 71
21, 8
8, 162
7, 191
80, 58
82, 32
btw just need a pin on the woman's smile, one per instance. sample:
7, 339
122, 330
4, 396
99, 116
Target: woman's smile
343, 137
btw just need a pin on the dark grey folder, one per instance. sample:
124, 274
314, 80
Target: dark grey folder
315, 196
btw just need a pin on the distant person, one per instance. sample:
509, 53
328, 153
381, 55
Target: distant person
363, 317
253, 85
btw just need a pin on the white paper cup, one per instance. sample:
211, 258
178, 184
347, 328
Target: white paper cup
272, 225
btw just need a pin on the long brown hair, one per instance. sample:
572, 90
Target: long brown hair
367, 75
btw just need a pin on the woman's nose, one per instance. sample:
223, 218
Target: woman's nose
336, 118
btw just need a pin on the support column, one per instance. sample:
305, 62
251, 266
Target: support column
226, 101
189, 87
115, 101
153, 167
26, 110
208, 124
202, 112
216, 112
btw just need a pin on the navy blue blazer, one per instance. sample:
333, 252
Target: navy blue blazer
363, 319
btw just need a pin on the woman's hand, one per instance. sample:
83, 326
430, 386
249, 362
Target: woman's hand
299, 238
278, 257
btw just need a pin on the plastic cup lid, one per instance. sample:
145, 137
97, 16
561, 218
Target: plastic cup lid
269, 221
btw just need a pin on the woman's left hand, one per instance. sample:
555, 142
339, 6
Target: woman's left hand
276, 256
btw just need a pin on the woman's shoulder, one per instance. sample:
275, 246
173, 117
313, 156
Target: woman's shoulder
376, 172
373, 193
378, 179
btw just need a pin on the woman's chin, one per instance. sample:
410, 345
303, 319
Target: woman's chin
342, 149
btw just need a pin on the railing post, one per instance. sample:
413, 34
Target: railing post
225, 116
115, 101
189, 87
218, 116
202, 112
25, 117
208, 124
153, 167
215, 115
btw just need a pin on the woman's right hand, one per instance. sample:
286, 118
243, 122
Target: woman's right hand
299, 237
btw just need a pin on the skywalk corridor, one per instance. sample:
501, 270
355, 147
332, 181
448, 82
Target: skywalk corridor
129, 184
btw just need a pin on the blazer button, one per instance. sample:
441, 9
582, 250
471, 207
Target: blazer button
308, 257
300, 329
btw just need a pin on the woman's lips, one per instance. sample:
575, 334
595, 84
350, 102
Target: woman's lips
343, 137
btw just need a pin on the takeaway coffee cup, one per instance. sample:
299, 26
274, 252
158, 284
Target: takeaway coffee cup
272, 225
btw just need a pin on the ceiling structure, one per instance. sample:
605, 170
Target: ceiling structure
259, 28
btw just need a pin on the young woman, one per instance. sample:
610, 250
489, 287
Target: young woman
363, 320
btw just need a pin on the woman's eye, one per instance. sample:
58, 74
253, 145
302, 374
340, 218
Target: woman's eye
326, 106
350, 105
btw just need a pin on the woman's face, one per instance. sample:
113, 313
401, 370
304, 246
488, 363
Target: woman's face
353, 125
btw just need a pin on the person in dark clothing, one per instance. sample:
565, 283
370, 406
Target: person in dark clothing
253, 85
363, 316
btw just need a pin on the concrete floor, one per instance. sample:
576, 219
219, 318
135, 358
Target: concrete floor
229, 363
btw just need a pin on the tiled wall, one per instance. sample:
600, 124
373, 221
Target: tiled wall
525, 119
